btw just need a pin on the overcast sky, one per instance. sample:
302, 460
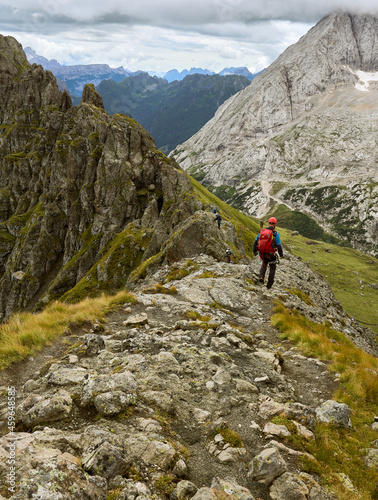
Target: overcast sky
158, 35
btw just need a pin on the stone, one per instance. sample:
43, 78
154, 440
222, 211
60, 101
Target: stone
106, 460
45, 409
66, 375
231, 488
371, 458
334, 413
266, 466
276, 430
93, 344
289, 487
137, 319
185, 489
111, 403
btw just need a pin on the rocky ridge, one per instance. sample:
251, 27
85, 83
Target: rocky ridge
174, 396
307, 125
84, 197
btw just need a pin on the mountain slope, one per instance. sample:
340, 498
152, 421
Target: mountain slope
82, 194
303, 127
170, 112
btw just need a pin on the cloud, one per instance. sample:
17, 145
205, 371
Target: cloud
183, 12
161, 34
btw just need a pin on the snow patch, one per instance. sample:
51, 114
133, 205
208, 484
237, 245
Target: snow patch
365, 78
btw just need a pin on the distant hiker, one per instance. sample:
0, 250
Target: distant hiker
229, 254
218, 218
267, 243
214, 211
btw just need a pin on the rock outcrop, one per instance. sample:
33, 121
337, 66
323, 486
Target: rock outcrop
176, 395
84, 197
303, 133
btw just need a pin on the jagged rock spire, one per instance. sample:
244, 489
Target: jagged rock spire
91, 96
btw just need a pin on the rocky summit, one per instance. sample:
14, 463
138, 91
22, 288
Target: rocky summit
176, 395
303, 134
84, 197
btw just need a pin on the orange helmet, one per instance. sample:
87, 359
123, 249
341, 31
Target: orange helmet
272, 220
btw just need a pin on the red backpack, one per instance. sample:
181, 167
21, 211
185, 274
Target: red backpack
266, 240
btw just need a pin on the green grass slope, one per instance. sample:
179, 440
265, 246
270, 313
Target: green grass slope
352, 275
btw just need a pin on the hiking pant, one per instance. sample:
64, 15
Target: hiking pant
267, 258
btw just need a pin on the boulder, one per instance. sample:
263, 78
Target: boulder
334, 413
266, 466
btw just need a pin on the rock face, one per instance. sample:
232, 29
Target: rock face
84, 197
303, 133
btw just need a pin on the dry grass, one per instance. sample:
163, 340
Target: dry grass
25, 333
339, 450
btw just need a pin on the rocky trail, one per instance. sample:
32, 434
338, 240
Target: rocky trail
174, 396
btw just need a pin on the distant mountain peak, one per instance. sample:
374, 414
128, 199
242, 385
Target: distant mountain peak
307, 123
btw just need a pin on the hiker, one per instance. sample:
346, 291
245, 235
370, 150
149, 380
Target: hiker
267, 243
218, 218
228, 254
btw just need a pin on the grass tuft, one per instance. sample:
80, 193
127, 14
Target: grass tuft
338, 451
26, 333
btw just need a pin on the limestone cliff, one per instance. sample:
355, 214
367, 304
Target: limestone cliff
303, 133
84, 197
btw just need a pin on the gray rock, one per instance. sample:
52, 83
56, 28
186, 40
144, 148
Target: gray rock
66, 375
266, 466
111, 403
106, 460
371, 458
93, 344
35, 410
61, 482
184, 489
288, 487
332, 412
231, 488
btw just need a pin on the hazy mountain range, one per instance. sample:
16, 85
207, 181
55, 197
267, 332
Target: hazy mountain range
76, 76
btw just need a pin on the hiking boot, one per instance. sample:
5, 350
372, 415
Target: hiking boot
261, 281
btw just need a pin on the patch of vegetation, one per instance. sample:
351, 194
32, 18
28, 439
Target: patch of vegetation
121, 256
339, 450
25, 333
205, 275
195, 315
352, 275
231, 437
158, 288
301, 222
165, 485
178, 273
302, 295
114, 494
